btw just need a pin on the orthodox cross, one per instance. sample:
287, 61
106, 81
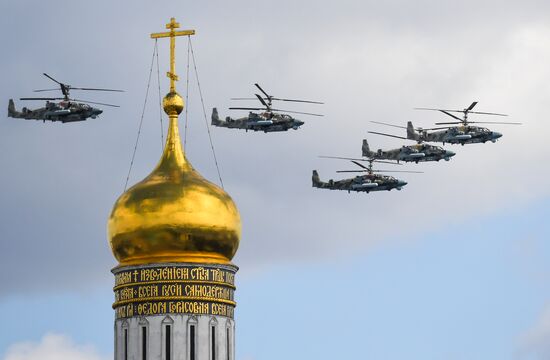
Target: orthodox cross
173, 25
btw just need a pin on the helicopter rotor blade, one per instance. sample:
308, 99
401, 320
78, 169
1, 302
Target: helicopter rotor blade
300, 101
341, 158
351, 171
340, 171
93, 102
360, 165
40, 90
95, 89
471, 106
244, 108
279, 99
433, 109
262, 100
262, 90
399, 171
487, 113
440, 128
461, 111
495, 122
41, 98
51, 78
383, 123
451, 115
449, 123
364, 160
394, 136
297, 112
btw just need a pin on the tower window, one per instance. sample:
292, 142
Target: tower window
192, 342
228, 346
125, 344
144, 343
168, 343
213, 330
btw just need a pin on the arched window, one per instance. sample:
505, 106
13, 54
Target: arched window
192, 327
228, 340
213, 342
167, 325
144, 337
125, 340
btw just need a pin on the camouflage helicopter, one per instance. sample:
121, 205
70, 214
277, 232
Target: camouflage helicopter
66, 110
361, 183
409, 153
462, 134
268, 120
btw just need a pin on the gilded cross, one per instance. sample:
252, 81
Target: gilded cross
173, 25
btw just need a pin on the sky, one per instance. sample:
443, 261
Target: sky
454, 266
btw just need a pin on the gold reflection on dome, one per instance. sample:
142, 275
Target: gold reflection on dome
174, 214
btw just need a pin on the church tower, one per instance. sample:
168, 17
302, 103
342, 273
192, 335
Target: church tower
174, 235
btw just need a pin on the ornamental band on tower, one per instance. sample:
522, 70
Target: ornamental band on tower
174, 235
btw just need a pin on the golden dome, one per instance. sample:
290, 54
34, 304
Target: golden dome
174, 214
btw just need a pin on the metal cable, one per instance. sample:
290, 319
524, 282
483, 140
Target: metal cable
186, 96
204, 112
141, 120
160, 99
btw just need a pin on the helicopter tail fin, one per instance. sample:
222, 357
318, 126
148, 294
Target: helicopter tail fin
411, 133
366, 149
215, 117
315, 179
11, 108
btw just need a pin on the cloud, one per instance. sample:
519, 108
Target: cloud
536, 341
52, 347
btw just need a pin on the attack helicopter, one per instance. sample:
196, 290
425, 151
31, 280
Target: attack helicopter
66, 110
361, 183
408, 153
268, 120
462, 134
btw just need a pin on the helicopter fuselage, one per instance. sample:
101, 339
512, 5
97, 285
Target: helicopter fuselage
362, 183
266, 122
463, 134
62, 111
409, 153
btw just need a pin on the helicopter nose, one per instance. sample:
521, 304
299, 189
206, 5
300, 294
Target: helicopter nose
496, 135
98, 111
401, 183
449, 153
299, 123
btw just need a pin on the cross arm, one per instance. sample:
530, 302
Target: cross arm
176, 33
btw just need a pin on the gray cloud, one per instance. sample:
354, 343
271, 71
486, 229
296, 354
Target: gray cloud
366, 60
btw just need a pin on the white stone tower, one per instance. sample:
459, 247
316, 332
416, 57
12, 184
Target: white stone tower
174, 235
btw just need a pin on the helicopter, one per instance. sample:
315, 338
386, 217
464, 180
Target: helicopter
66, 110
267, 121
361, 183
461, 134
409, 153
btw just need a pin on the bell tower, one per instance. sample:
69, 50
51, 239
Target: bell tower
174, 235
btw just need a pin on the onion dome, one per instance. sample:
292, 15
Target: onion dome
174, 214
